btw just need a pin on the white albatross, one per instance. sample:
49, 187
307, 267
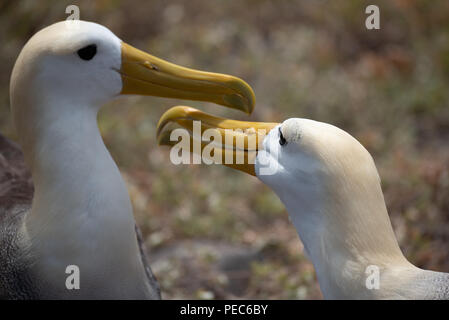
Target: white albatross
81, 213
331, 188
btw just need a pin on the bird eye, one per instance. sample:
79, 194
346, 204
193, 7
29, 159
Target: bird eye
282, 140
88, 52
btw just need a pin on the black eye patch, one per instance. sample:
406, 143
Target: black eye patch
282, 140
88, 52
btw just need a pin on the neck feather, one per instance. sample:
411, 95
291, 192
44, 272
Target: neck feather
81, 213
346, 231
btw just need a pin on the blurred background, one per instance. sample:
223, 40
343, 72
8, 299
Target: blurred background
213, 233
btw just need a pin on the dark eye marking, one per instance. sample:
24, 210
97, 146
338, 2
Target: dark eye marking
88, 52
282, 140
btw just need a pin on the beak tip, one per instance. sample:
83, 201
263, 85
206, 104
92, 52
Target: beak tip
251, 97
251, 108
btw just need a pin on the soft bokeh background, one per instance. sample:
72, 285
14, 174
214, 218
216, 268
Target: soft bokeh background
215, 233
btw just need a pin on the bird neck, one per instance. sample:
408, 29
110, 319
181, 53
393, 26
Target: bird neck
81, 213
348, 236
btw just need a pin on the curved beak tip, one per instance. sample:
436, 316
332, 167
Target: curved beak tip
247, 133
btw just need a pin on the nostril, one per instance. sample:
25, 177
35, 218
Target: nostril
151, 66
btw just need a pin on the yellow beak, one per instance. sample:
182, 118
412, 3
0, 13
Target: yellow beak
240, 140
145, 74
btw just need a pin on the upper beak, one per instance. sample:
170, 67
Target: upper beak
240, 140
145, 74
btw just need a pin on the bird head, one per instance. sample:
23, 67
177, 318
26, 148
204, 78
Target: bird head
314, 167
77, 64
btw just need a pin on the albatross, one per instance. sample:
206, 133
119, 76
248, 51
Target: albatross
331, 189
80, 217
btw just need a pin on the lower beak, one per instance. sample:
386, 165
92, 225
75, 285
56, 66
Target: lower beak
239, 140
145, 74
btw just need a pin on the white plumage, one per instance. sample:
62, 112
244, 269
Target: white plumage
81, 213
331, 188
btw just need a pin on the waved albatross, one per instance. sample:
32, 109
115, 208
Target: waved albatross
81, 213
331, 188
